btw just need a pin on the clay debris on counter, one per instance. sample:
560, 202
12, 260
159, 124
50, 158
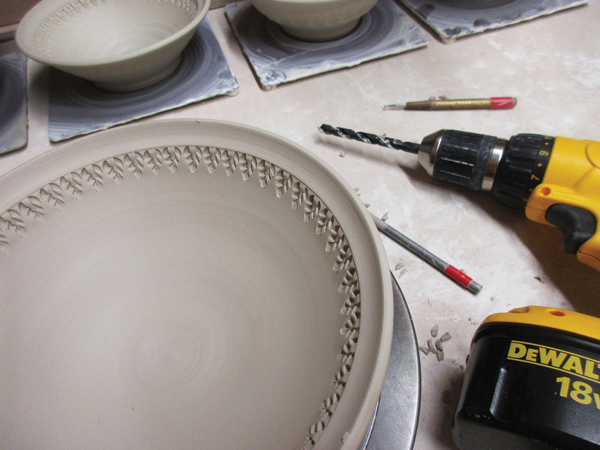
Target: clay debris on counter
436, 347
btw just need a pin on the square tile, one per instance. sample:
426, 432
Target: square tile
278, 58
452, 19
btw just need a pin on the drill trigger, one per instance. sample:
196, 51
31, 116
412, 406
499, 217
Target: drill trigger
577, 224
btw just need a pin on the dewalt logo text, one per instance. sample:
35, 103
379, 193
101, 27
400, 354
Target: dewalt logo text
554, 358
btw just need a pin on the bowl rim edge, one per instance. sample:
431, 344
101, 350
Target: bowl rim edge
29, 52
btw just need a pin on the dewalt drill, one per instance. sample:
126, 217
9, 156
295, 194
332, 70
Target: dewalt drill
556, 179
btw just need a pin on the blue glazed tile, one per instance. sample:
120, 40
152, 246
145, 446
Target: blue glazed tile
452, 19
13, 102
278, 58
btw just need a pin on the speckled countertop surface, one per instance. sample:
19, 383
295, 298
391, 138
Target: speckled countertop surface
551, 64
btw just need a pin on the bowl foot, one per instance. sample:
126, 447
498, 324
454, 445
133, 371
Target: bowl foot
321, 34
140, 83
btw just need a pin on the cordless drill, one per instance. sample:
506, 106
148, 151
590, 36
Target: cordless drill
556, 179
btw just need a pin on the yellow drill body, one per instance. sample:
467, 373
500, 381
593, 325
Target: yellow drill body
572, 177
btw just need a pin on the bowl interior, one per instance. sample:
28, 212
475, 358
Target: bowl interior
105, 30
182, 296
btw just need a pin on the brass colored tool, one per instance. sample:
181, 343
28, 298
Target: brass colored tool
447, 104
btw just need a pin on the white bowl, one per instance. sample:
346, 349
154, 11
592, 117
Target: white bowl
117, 44
184, 285
315, 20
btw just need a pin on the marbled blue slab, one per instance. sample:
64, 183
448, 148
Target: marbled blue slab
13, 102
79, 107
452, 19
278, 58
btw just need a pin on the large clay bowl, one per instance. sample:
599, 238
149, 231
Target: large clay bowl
117, 44
184, 285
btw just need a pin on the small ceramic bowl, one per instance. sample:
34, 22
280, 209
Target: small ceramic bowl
117, 44
315, 20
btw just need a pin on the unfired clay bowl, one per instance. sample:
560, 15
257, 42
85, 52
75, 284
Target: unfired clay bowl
117, 44
315, 20
184, 285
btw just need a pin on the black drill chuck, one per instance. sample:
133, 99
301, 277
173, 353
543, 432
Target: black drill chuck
510, 169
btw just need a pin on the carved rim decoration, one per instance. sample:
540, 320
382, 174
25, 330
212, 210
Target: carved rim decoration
131, 165
42, 40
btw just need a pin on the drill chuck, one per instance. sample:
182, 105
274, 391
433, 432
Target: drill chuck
510, 169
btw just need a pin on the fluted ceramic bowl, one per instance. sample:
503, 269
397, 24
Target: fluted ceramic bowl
118, 44
188, 285
315, 20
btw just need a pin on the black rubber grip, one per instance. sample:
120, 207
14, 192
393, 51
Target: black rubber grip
577, 224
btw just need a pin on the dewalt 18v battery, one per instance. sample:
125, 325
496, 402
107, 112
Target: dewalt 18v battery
532, 382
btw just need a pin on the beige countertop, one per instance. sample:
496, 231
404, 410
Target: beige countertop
551, 64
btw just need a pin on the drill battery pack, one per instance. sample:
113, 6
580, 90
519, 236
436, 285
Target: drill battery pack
532, 382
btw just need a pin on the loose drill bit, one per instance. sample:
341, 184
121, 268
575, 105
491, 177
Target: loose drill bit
450, 271
369, 138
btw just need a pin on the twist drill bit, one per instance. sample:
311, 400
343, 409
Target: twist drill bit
370, 138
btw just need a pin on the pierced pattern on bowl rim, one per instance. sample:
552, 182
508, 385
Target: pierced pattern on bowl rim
134, 164
42, 40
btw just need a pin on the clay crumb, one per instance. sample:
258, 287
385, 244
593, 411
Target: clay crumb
446, 337
385, 217
399, 266
435, 330
368, 205
342, 154
439, 345
540, 279
345, 437
431, 346
425, 350
440, 355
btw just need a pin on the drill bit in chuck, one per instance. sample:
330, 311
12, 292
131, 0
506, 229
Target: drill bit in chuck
369, 138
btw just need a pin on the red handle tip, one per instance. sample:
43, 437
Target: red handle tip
462, 279
503, 102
